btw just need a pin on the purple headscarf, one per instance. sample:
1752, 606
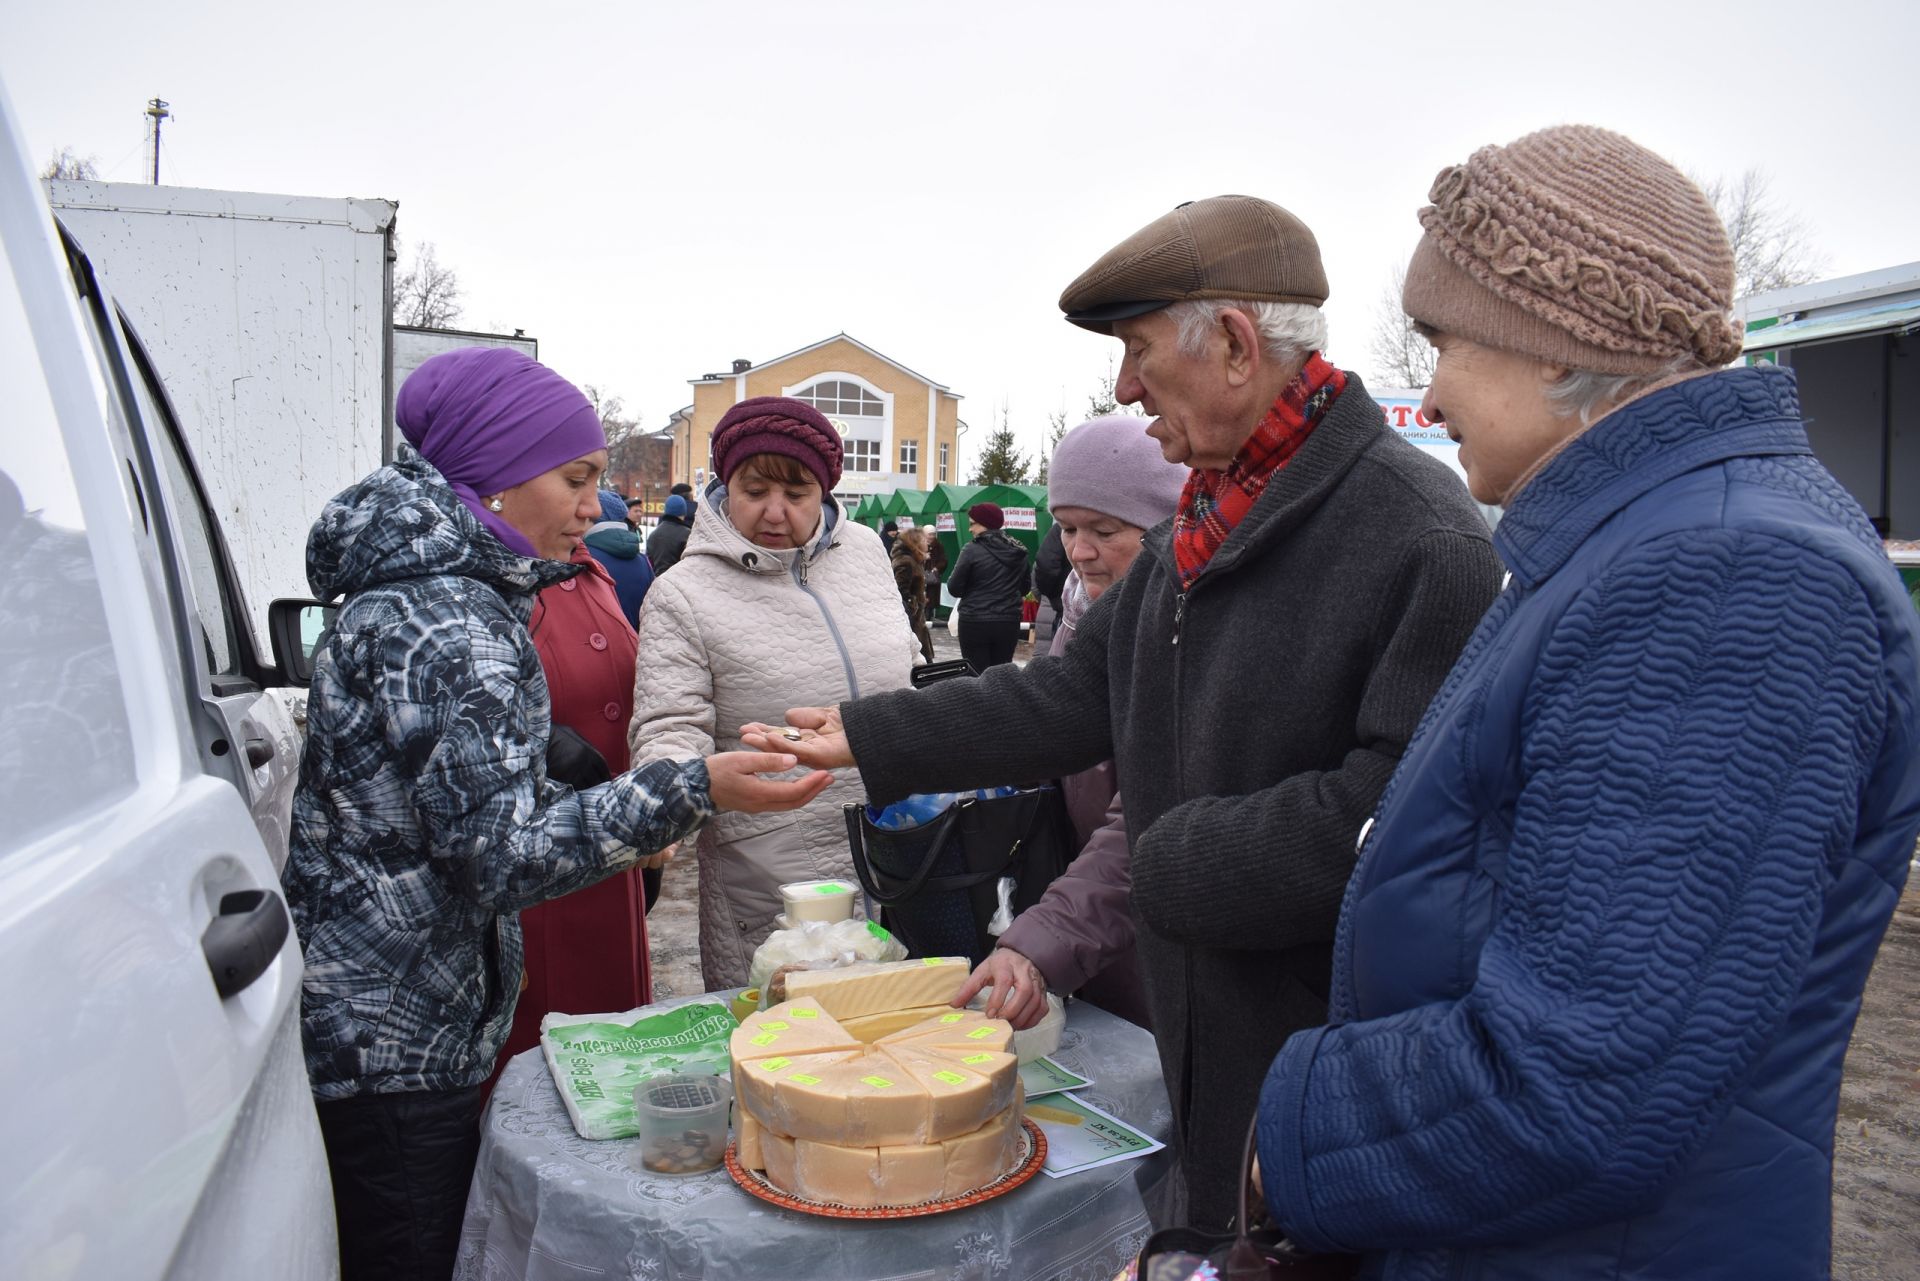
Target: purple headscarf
489, 418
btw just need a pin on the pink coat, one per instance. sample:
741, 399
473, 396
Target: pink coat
1080, 934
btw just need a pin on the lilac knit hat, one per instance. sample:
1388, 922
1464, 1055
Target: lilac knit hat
777, 425
1111, 465
1577, 247
489, 418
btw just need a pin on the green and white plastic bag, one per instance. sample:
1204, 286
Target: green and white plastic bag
597, 1060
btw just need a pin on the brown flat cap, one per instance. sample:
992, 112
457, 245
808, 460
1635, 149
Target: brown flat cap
1222, 247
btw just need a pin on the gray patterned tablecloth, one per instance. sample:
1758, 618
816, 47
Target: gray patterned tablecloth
548, 1205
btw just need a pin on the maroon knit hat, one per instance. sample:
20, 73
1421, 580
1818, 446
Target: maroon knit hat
777, 425
987, 514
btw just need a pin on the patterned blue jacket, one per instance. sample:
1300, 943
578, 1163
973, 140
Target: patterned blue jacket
424, 819
1600, 959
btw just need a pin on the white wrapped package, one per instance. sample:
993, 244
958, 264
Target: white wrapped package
821, 945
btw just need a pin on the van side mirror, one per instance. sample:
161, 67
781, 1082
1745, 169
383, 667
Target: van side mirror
296, 628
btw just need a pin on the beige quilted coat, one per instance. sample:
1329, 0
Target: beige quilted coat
740, 633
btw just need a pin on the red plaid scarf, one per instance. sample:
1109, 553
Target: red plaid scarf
1214, 501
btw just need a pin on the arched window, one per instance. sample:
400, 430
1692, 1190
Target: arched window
849, 400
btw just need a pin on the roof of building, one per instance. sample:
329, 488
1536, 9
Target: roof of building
842, 335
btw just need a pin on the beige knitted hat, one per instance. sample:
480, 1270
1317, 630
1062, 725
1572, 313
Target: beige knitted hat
1580, 248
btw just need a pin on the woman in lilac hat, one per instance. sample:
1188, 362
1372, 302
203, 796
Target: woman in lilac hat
425, 819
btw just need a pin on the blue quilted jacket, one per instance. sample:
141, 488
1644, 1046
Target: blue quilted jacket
424, 819
1598, 965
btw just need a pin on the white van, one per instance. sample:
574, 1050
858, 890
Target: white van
158, 1121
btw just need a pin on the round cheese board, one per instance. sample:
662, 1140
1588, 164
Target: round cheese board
1033, 1156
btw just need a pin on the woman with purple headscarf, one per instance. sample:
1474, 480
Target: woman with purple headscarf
425, 818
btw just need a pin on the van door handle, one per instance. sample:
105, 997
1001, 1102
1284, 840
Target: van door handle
243, 940
259, 752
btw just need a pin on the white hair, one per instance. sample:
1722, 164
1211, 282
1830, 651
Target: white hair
1288, 330
1590, 396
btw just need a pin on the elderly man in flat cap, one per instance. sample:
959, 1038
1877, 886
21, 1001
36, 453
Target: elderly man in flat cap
1255, 677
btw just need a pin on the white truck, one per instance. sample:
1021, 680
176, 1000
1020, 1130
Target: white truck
160, 1123
269, 320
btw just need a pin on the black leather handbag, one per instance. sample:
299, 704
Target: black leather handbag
938, 884
1246, 1254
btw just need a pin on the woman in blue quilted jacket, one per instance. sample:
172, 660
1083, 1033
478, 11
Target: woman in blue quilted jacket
424, 819
1600, 959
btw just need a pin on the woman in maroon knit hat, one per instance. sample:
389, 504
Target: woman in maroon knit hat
778, 600
990, 580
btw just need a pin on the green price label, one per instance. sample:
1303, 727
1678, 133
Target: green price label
801, 1078
951, 1078
977, 1058
878, 1082
766, 1038
878, 930
830, 888
773, 1025
981, 1031
774, 1065
954, 1017
804, 1014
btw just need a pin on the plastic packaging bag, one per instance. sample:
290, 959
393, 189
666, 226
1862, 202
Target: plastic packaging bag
596, 1062
820, 945
924, 807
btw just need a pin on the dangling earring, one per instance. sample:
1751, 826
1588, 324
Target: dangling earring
494, 505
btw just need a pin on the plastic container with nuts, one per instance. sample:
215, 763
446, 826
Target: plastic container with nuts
683, 1123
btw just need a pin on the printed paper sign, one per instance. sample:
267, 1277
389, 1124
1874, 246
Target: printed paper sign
943, 523
1044, 1076
1082, 1137
1020, 518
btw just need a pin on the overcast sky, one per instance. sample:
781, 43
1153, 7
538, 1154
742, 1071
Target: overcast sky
654, 189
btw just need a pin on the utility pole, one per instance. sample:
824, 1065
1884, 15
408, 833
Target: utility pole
158, 110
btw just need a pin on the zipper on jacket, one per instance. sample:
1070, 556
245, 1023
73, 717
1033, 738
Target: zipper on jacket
1179, 614
833, 628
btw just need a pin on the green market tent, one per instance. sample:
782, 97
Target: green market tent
1026, 509
951, 530
907, 505
867, 510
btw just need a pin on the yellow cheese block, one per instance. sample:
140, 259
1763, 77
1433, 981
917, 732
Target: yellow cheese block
967, 1030
977, 1159
895, 1174
794, 1027
868, 1028
748, 1143
963, 1091
853, 990
756, 1083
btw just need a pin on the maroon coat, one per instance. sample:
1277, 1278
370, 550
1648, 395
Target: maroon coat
586, 952
1080, 934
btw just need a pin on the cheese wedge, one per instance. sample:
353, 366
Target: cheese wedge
853, 990
756, 1083
795, 1027
977, 1159
961, 1096
748, 1142
967, 1030
868, 1028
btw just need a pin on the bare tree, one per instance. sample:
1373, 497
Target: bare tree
1100, 403
615, 422
1401, 357
1771, 245
426, 295
65, 164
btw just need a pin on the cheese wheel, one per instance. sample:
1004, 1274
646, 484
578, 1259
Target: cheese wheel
756, 1083
852, 990
894, 1174
967, 1030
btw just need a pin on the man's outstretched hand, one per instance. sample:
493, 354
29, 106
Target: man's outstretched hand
822, 743
734, 782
